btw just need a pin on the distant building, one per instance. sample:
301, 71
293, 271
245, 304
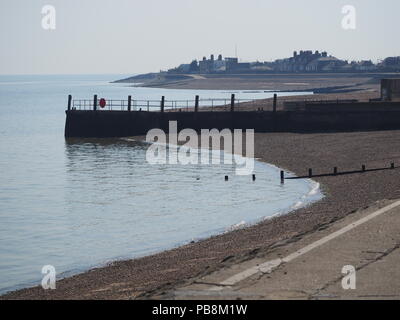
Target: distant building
307, 61
391, 64
365, 65
211, 65
324, 64
231, 64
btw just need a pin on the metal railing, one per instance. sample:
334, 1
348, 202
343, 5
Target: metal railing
209, 104
197, 104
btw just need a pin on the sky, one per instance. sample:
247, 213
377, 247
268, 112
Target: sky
137, 36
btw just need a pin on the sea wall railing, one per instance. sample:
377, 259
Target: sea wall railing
196, 104
295, 103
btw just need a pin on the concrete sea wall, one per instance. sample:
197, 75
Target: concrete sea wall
316, 118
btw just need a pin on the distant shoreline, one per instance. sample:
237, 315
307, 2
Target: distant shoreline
322, 83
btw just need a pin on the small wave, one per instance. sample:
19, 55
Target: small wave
315, 189
237, 226
297, 205
128, 139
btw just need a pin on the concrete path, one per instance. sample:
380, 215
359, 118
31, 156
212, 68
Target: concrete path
311, 267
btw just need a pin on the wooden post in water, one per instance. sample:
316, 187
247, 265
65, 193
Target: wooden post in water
282, 176
254, 177
310, 173
275, 100
335, 171
392, 165
95, 102
226, 178
162, 103
232, 102
129, 103
363, 168
69, 102
196, 104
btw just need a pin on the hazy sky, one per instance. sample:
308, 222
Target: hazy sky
129, 36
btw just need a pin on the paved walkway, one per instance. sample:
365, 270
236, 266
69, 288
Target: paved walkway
311, 267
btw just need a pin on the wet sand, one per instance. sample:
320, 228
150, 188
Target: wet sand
295, 152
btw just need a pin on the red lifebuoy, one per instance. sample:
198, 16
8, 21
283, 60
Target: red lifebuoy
102, 103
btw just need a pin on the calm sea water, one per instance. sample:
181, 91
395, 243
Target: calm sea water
83, 203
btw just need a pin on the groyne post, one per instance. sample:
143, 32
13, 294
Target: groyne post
282, 176
129, 103
162, 103
69, 102
335, 171
196, 104
392, 165
363, 168
232, 102
310, 173
275, 101
95, 102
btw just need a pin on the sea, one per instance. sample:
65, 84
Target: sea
83, 203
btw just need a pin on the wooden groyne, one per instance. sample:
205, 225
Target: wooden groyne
120, 118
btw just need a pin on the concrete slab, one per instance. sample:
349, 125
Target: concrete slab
311, 267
